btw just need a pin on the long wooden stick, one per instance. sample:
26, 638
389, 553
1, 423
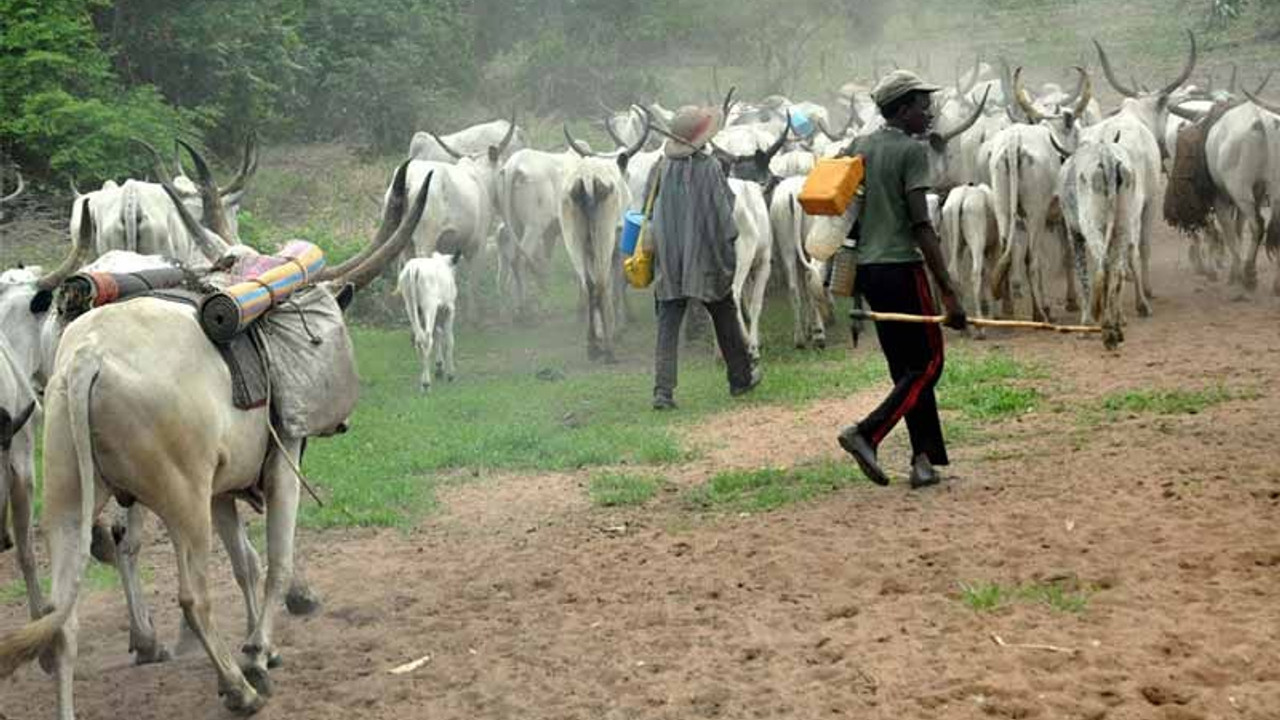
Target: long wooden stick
975, 321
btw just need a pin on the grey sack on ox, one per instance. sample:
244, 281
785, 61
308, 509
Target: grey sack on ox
314, 385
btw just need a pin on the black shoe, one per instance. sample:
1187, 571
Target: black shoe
856, 445
756, 377
923, 473
664, 402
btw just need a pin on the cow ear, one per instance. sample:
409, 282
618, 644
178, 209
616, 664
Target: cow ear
622, 163
493, 154
345, 295
937, 143
1117, 140
41, 302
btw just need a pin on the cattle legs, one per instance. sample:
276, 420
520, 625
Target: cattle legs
142, 632
282, 516
21, 489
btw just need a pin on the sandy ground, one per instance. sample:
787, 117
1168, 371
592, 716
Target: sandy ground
533, 604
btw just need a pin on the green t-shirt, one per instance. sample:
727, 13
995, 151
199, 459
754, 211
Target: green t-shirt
895, 165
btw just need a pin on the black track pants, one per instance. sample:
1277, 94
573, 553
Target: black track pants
724, 315
915, 357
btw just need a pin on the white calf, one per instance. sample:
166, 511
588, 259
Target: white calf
969, 229
430, 300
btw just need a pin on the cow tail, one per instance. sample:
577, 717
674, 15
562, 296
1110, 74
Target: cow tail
953, 224
1011, 158
27, 642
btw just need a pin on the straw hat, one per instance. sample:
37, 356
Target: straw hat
690, 130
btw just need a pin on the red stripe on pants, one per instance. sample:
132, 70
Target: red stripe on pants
930, 374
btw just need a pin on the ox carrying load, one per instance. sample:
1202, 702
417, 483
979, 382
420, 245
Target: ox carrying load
1188, 201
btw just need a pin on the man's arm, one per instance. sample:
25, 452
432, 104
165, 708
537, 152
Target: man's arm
931, 247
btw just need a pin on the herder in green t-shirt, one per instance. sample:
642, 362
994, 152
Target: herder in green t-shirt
896, 241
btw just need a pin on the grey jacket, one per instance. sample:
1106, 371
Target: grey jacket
693, 231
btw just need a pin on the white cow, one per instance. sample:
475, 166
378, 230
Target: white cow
754, 258
144, 368
139, 217
1103, 197
430, 300
593, 198
468, 142
1243, 154
792, 229
1024, 170
970, 231
529, 189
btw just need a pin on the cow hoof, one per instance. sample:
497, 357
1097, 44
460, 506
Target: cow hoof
6, 542
258, 678
1073, 306
424, 388
102, 546
449, 377
820, 343
301, 602
1144, 310
245, 702
48, 663
157, 653
274, 660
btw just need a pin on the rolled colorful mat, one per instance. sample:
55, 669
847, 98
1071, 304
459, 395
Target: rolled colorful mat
84, 291
269, 280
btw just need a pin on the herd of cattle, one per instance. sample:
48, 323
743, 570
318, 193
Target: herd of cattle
136, 400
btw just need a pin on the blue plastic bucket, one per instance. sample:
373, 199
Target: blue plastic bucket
800, 123
631, 223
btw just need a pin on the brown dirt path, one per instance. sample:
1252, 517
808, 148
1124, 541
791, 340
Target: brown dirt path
533, 604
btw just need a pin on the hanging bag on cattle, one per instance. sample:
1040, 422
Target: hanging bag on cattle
638, 267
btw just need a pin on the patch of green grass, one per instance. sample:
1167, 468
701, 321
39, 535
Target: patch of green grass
618, 489
987, 386
97, 578
1174, 401
770, 488
1066, 597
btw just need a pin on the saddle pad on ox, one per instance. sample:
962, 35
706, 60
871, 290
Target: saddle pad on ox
312, 364
244, 359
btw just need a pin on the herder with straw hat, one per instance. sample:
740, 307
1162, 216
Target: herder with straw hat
694, 257
896, 241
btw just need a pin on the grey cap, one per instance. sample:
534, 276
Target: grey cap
899, 83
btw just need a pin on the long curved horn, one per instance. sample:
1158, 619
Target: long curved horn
822, 128
373, 266
1084, 93
215, 214
392, 213
1264, 104
456, 155
1110, 73
506, 139
80, 245
625, 156
968, 123
1053, 140
211, 245
1186, 70
782, 140
1231, 84
248, 168
608, 127
1024, 101
1262, 85
727, 105
577, 147
1186, 114
75, 191
1006, 81
14, 195
158, 162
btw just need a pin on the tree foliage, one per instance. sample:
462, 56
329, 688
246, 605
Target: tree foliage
78, 78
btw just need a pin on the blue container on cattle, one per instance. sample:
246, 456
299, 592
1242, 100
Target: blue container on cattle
631, 223
801, 124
